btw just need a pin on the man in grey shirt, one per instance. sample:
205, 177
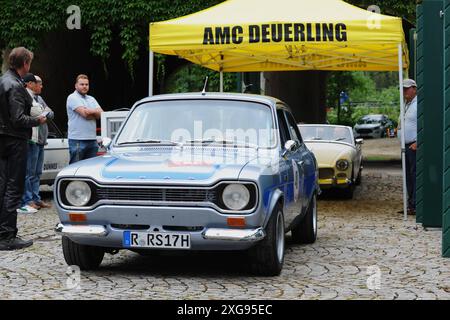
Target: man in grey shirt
82, 112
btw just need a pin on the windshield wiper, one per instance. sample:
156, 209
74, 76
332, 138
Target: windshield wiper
315, 138
150, 141
234, 143
340, 139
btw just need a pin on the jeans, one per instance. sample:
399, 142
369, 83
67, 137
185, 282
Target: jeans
82, 149
13, 162
35, 162
411, 176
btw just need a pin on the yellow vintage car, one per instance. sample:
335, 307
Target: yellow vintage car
338, 155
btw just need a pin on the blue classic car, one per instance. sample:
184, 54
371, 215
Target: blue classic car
204, 171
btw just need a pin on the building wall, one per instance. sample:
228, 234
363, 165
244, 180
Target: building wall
61, 56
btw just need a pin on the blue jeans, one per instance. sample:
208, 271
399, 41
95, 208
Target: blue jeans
411, 176
35, 161
82, 149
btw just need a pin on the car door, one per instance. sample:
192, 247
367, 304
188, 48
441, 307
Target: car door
304, 161
292, 171
286, 172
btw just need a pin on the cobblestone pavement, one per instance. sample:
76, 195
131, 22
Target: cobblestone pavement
364, 251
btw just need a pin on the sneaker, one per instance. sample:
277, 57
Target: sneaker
34, 205
14, 244
26, 209
42, 204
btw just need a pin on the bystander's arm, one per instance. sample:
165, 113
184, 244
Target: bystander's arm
50, 114
97, 112
85, 113
17, 112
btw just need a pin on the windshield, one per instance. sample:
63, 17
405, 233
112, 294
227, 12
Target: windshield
328, 133
237, 123
369, 121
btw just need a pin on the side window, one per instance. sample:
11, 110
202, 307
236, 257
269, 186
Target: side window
293, 128
284, 133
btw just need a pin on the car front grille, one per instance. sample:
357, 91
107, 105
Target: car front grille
151, 195
326, 173
156, 194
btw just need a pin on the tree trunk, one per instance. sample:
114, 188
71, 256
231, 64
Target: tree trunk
303, 91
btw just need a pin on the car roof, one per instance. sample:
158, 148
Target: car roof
213, 95
377, 116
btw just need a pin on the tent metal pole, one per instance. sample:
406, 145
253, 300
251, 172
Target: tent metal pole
262, 84
151, 58
221, 81
402, 132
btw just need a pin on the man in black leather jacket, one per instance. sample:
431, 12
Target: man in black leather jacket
15, 130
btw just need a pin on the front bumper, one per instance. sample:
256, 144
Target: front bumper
247, 235
208, 229
334, 183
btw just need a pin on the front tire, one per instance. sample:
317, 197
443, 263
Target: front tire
347, 193
306, 230
359, 178
86, 257
267, 257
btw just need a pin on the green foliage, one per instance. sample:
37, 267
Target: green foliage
366, 96
402, 8
25, 23
191, 78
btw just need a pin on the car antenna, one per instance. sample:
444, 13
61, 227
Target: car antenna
204, 87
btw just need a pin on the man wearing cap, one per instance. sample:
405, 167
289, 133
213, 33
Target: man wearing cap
410, 96
31, 201
15, 130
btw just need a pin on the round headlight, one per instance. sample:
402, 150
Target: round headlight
236, 196
342, 165
78, 193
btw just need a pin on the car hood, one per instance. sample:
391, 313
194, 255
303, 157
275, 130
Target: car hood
368, 126
167, 166
327, 153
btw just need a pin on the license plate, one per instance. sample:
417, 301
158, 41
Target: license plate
156, 240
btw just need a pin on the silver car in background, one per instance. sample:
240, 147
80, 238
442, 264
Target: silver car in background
373, 126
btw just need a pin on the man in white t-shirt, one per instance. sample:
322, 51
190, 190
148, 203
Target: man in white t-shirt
82, 111
410, 96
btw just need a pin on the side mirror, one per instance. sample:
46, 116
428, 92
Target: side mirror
288, 147
106, 142
359, 141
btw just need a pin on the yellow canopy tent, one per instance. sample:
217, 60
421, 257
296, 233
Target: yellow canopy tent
285, 35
